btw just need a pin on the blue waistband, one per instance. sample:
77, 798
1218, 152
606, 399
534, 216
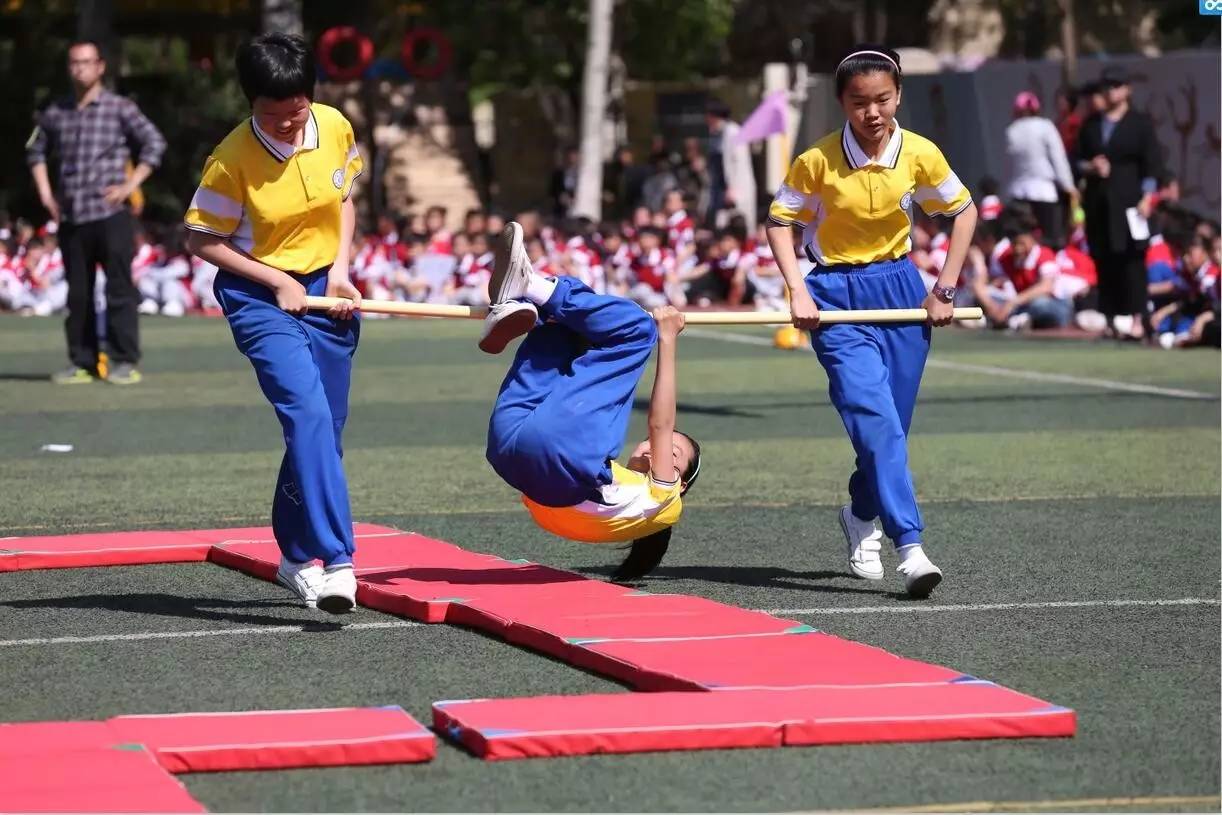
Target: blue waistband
874, 267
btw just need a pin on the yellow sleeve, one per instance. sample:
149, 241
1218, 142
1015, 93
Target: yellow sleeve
216, 207
354, 165
938, 190
795, 199
663, 492
670, 502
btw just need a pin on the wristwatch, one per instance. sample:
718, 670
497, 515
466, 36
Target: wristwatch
944, 293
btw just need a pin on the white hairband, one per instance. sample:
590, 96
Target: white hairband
875, 53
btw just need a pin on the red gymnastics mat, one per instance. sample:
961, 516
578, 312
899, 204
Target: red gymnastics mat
101, 780
41, 738
556, 625
443, 592
781, 661
132, 548
278, 739
643, 722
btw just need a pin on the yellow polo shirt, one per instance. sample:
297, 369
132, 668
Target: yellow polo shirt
857, 210
632, 506
278, 203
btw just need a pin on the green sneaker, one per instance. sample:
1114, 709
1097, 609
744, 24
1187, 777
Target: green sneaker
73, 375
123, 373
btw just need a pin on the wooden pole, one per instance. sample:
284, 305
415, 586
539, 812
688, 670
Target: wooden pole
899, 315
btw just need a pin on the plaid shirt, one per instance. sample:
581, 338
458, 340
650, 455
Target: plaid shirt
91, 146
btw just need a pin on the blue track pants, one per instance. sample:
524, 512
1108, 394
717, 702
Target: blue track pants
874, 372
564, 407
304, 366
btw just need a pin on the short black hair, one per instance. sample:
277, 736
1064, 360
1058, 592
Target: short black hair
867, 58
1019, 222
988, 185
717, 109
276, 66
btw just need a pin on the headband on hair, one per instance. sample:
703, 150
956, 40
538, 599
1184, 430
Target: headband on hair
875, 53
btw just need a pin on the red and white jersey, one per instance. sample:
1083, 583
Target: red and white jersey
619, 264
544, 266
441, 242
1206, 279
10, 267
939, 244
728, 265
651, 268
680, 231
585, 263
1157, 251
474, 271
990, 208
371, 264
1000, 249
146, 257
1040, 263
763, 256
1076, 274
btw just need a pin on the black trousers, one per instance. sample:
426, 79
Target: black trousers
1122, 282
107, 243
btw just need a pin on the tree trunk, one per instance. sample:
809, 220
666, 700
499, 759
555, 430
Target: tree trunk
282, 16
95, 21
1069, 44
588, 200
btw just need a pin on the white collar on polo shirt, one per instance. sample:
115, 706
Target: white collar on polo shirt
857, 157
281, 150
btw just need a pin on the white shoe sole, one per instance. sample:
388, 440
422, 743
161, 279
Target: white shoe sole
853, 566
291, 586
336, 603
508, 247
507, 329
922, 586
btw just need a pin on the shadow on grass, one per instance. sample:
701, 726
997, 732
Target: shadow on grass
8, 377
172, 605
770, 577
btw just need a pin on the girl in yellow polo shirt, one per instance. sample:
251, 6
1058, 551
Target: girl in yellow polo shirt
852, 195
564, 407
273, 212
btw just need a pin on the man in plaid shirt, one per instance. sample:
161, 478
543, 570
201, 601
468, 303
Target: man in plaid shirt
91, 139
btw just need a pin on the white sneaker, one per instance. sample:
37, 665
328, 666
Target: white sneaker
173, 309
147, 306
865, 541
511, 266
1018, 322
303, 580
506, 322
920, 575
338, 592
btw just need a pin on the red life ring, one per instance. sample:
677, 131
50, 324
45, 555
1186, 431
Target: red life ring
344, 35
442, 47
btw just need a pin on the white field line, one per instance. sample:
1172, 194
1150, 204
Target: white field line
993, 370
920, 609
215, 632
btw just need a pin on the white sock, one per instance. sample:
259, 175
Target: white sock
910, 551
539, 289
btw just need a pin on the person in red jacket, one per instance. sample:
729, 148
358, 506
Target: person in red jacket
1028, 294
